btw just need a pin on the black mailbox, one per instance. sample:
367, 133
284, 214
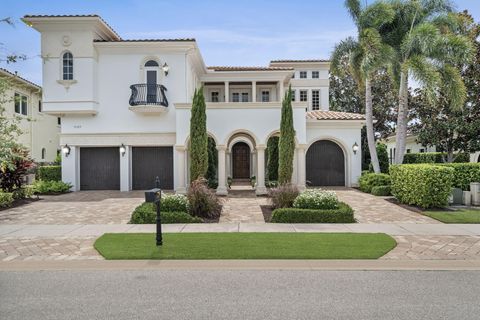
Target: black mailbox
152, 195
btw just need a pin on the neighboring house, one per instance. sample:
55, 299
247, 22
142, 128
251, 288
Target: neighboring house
40, 130
126, 106
412, 146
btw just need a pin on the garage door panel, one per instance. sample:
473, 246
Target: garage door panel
325, 164
151, 162
99, 168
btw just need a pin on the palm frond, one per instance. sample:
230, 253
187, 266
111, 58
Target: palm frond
454, 49
426, 74
433, 7
453, 86
341, 51
376, 15
354, 8
421, 40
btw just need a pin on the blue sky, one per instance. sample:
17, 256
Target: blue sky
228, 32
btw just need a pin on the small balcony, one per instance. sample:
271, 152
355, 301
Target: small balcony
148, 98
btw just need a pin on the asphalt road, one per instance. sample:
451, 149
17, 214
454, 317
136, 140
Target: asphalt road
243, 294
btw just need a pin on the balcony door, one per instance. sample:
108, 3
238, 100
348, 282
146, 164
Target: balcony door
151, 76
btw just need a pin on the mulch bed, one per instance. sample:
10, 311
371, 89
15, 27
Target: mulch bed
267, 213
20, 202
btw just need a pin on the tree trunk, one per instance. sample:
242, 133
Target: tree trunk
369, 122
401, 138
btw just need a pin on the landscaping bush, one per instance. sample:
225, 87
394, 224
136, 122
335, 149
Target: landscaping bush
383, 161
146, 213
464, 174
423, 185
212, 183
381, 191
283, 196
343, 214
50, 187
204, 202
49, 173
316, 199
6, 199
23, 192
271, 184
370, 180
424, 157
174, 203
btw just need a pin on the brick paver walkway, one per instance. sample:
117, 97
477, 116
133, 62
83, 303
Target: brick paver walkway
243, 206
84, 207
435, 248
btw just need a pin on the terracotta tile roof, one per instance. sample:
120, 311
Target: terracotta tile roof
73, 16
13, 75
231, 68
333, 115
296, 61
147, 40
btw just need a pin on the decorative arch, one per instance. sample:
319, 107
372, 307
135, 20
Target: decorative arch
209, 133
241, 138
241, 132
149, 58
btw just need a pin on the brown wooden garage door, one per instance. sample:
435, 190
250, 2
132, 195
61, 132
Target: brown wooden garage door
325, 164
151, 162
99, 168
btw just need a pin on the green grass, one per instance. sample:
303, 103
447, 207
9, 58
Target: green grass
204, 246
459, 216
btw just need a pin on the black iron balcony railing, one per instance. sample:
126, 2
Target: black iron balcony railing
148, 94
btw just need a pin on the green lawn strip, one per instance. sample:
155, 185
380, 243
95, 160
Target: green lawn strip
206, 246
459, 216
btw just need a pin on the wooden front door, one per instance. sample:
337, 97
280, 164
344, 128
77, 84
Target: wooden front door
325, 164
241, 161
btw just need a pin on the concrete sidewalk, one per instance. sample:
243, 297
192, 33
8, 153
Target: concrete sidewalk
393, 229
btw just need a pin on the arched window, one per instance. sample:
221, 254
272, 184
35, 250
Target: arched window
44, 153
67, 62
151, 63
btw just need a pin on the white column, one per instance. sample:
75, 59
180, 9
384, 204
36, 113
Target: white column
227, 91
71, 168
125, 169
222, 183
282, 91
228, 163
301, 182
181, 186
260, 189
254, 91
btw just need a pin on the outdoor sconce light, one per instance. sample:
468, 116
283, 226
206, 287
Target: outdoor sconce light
122, 149
355, 148
66, 150
165, 69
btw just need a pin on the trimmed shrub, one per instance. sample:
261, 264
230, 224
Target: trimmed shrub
382, 155
424, 157
50, 187
316, 199
423, 185
174, 203
49, 173
464, 174
23, 193
204, 202
6, 199
283, 196
146, 213
343, 214
381, 191
370, 180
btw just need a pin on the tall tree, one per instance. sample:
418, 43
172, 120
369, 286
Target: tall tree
366, 55
425, 50
272, 159
286, 143
198, 147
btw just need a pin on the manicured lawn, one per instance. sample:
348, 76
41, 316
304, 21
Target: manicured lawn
196, 246
459, 216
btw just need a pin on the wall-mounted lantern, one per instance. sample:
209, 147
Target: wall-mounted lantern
122, 149
66, 150
355, 148
165, 69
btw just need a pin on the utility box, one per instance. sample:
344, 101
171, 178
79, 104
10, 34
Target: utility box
152, 195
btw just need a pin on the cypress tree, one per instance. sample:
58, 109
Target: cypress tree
272, 159
198, 148
286, 143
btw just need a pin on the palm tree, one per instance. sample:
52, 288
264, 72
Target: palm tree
366, 55
426, 49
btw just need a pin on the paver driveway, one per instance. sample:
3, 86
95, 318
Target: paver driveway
84, 207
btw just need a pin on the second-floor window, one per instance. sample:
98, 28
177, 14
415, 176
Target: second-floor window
67, 62
214, 96
265, 96
293, 95
315, 99
21, 106
303, 74
303, 95
315, 74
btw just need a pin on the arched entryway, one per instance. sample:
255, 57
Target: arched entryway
240, 161
325, 164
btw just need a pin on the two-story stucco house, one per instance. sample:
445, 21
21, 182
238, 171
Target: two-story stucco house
40, 131
126, 104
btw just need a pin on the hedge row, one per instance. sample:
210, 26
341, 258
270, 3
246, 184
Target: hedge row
146, 213
432, 157
49, 173
423, 185
344, 214
369, 180
464, 174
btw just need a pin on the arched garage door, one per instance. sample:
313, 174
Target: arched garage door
325, 164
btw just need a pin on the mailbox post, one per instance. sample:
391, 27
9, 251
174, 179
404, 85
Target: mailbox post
154, 196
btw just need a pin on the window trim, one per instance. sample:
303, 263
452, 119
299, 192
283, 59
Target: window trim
317, 73
21, 106
300, 95
63, 82
268, 95
303, 72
